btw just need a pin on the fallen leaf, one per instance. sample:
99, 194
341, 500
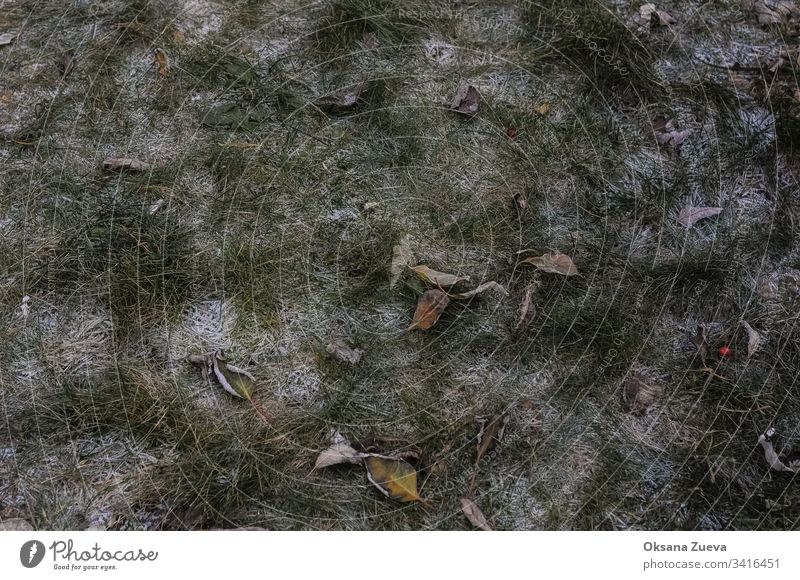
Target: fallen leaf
491, 432
438, 278
125, 164
527, 312
238, 382
230, 115
336, 454
666, 133
480, 290
520, 202
7, 38
343, 353
345, 98
429, 308
393, 477
700, 342
753, 339
161, 62
650, 16
543, 108
553, 262
401, 258
640, 393
474, 514
66, 63
770, 454
691, 215
466, 100
15, 525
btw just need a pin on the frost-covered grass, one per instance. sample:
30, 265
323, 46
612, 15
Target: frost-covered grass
265, 226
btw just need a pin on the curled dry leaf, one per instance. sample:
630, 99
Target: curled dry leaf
429, 308
395, 478
336, 454
691, 215
345, 98
639, 393
553, 262
491, 432
401, 258
700, 343
66, 63
520, 202
666, 133
474, 514
466, 100
125, 164
527, 312
7, 38
438, 278
15, 525
753, 339
343, 353
480, 290
770, 454
650, 16
238, 382
161, 62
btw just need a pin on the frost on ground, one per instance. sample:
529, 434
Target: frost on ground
627, 170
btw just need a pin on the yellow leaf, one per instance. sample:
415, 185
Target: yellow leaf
393, 477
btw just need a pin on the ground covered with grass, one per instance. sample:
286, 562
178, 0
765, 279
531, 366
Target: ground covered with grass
287, 149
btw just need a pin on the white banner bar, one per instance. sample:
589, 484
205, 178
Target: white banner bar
398, 555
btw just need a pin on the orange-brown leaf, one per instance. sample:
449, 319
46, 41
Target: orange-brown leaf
393, 477
429, 308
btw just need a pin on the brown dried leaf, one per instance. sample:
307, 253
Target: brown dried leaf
753, 339
639, 393
691, 215
474, 514
345, 98
520, 202
527, 312
553, 262
466, 100
492, 430
770, 454
700, 342
161, 62
480, 290
666, 133
125, 164
343, 353
429, 308
401, 258
438, 278
66, 63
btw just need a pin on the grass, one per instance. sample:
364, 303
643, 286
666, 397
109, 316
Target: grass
271, 235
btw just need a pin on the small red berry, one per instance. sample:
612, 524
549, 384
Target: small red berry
725, 352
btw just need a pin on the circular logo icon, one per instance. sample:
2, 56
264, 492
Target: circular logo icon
31, 553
